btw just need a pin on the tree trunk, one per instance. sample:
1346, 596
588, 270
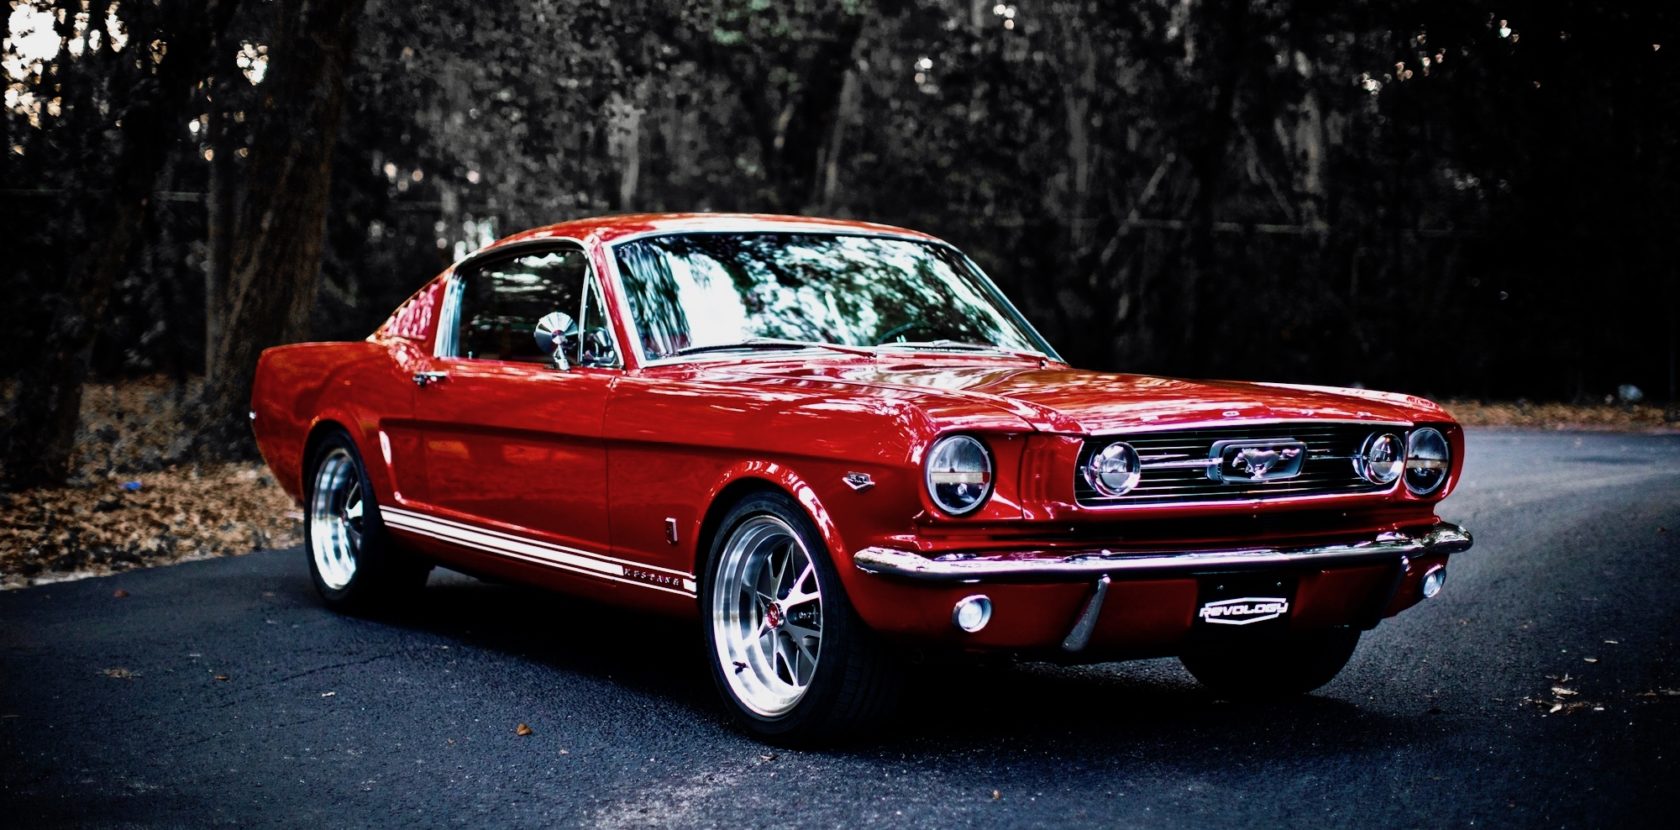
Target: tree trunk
828, 164
46, 410
792, 120
221, 202
625, 113
1209, 159
5, 119
276, 262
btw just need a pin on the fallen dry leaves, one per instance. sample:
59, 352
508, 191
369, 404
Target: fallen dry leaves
1564, 700
134, 502
1612, 416
177, 514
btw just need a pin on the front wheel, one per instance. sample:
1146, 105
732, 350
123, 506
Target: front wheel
790, 657
352, 560
1272, 669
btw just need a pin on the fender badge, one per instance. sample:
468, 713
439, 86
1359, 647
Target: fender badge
858, 481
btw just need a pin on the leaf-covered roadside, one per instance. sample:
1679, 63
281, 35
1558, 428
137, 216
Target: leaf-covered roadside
1613, 417
135, 501
176, 514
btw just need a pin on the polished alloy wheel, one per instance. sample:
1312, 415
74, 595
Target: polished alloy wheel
768, 615
335, 518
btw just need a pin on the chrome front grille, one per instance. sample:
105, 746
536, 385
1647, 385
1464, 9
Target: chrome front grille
1175, 464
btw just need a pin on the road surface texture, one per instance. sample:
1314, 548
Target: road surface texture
220, 692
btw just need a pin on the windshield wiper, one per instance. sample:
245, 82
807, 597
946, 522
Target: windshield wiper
757, 343
957, 346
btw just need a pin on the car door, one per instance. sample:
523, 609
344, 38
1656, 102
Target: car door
514, 460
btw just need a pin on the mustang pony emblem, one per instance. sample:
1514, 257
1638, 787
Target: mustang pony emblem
1257, 460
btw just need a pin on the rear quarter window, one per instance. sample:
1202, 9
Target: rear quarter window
415, 319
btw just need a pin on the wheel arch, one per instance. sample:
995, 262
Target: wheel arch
751, 477
318, 433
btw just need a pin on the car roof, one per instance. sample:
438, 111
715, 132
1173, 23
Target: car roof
608, 229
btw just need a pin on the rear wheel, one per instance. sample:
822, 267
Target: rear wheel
1271, 669
352, 560
790, 657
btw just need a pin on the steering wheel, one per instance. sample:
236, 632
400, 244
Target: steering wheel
905, 328
595, 347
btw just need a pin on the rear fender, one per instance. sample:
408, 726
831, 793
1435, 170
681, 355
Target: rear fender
301, 391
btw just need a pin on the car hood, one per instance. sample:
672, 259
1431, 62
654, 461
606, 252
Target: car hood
1056, 398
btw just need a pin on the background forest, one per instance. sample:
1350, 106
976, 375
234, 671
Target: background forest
1437, 196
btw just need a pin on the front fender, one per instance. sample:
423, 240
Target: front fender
746, 475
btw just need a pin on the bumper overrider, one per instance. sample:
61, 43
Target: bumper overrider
1393, 561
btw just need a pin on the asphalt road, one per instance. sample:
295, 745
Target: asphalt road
237, 699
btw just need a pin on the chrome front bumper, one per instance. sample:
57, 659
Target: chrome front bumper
1016, 566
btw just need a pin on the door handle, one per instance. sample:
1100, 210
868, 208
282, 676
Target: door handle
423, 378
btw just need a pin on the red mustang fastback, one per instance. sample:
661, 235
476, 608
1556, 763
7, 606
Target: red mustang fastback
834, 442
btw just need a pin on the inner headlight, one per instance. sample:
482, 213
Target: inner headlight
959, 474
1427, 461
1115, 470
1381, 458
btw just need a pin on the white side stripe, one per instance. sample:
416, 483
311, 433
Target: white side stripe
460, 525
531, 550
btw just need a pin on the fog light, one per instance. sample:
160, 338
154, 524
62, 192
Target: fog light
972, 613
1433, 581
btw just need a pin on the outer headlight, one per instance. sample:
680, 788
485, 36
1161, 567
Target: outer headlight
1381, 458
959, 474
1115, 470
1428, 458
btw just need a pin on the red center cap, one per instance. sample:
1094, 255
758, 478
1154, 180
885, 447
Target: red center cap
773, 616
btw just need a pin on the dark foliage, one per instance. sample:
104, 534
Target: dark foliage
1427, 195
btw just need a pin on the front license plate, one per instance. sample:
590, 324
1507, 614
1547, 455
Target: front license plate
1244, 602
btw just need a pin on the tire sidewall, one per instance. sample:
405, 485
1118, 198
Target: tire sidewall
369, 555
840, 625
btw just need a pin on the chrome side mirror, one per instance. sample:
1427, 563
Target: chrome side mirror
551, 334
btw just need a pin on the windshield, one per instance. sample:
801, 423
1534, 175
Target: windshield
710, 291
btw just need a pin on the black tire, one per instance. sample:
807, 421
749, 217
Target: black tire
380, 575
855, 683
1271, 669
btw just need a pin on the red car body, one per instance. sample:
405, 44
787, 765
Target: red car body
608, 482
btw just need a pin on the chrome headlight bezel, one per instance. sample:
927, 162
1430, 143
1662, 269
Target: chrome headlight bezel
1118, 459
958, 499
1371, 466
1428, 458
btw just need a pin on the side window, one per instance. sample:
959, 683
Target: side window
501, 302
595, 341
